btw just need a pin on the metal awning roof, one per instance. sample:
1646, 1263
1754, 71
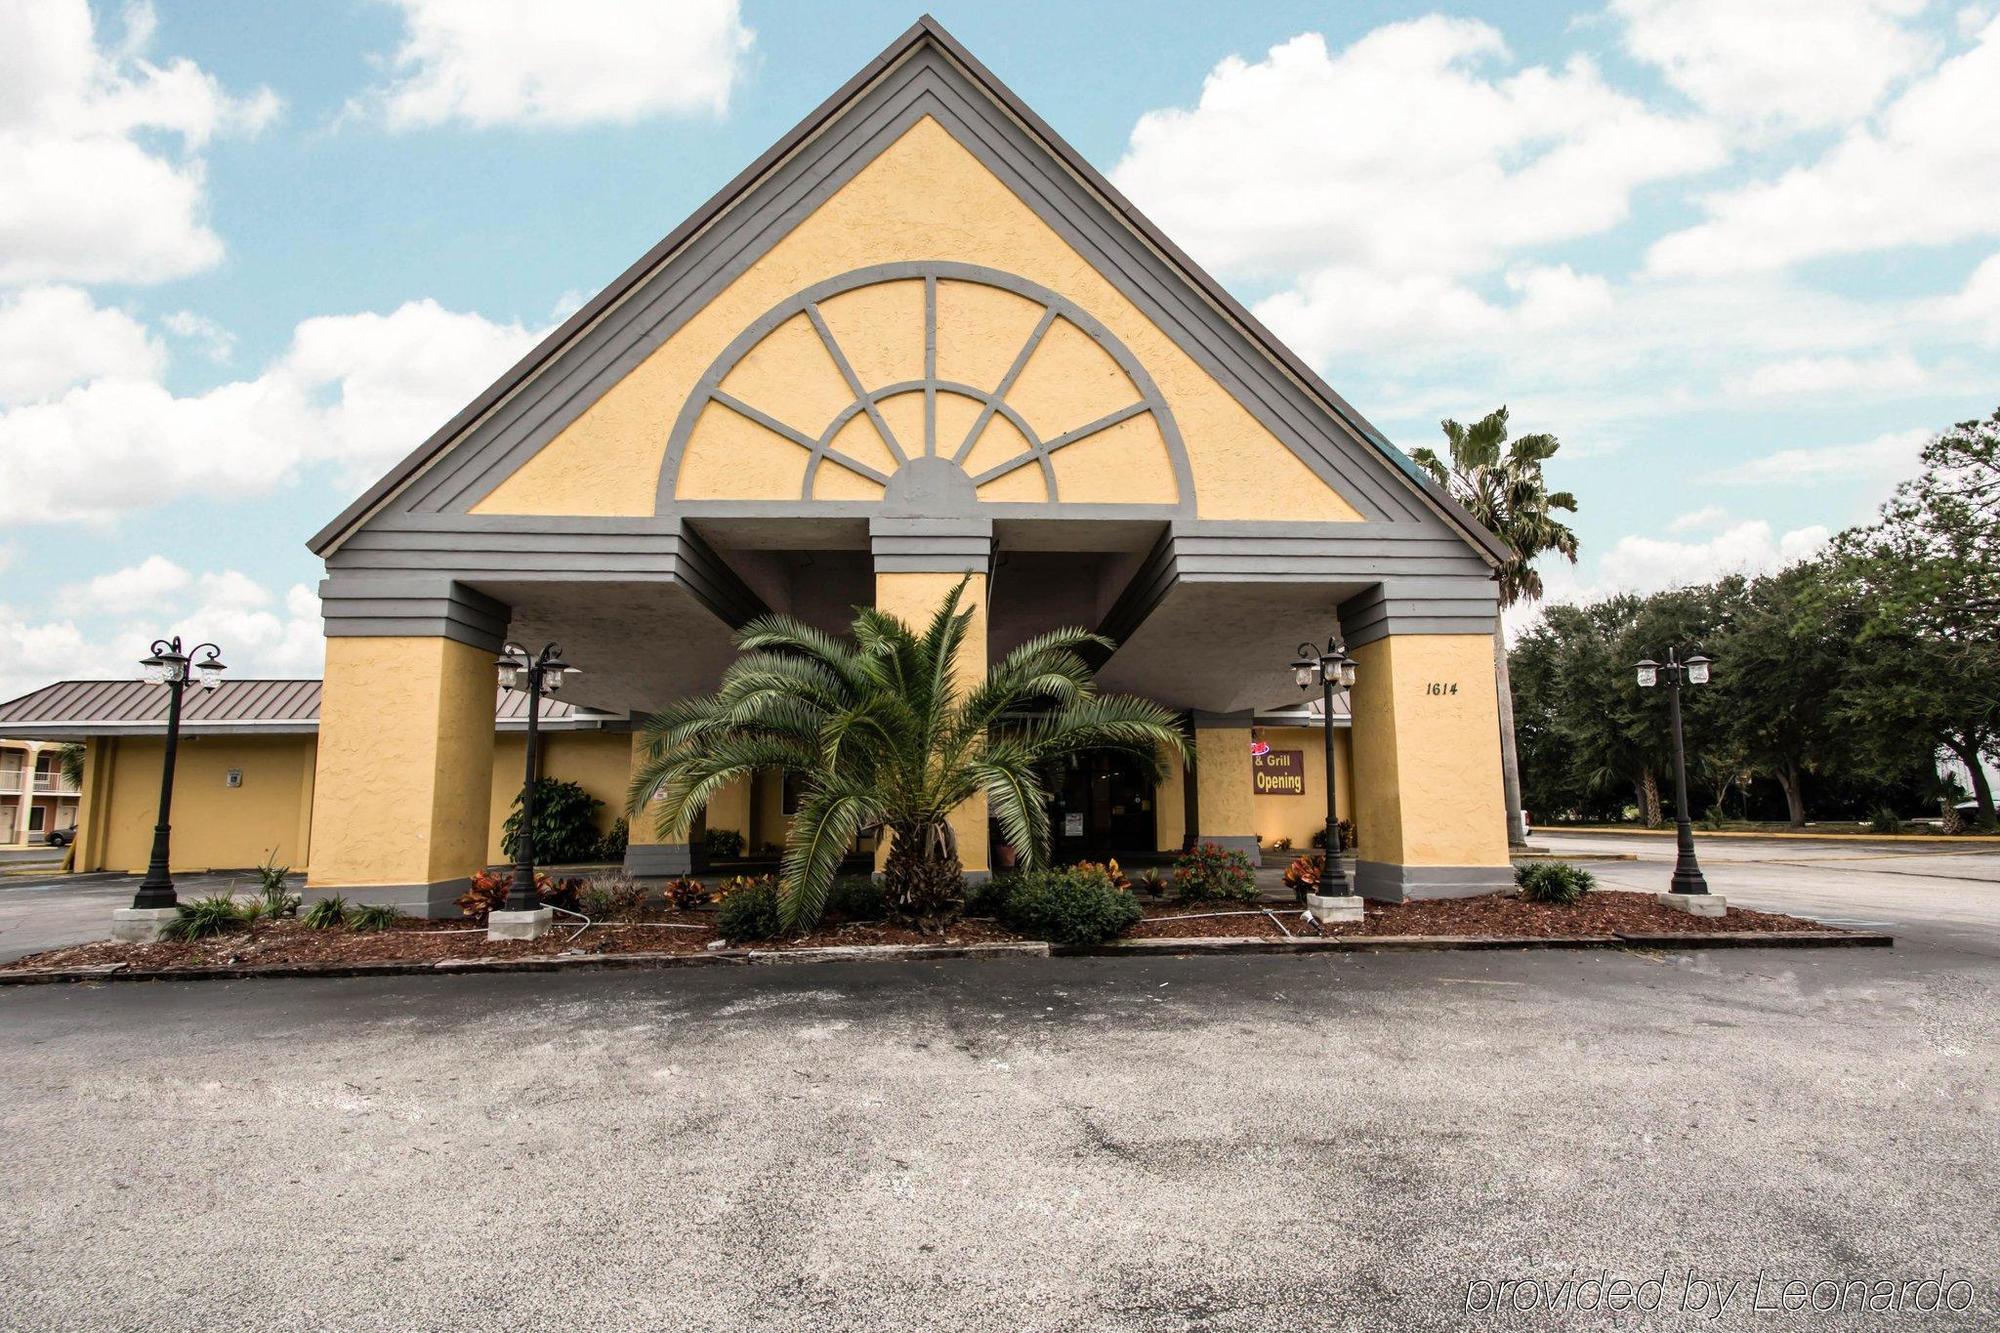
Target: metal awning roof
72, 709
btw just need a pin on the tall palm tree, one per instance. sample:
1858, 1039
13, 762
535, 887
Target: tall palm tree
882, 738
1500, 484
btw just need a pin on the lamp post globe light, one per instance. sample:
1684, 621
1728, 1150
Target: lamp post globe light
156, 903
536, 674
1688, 890
1333, 671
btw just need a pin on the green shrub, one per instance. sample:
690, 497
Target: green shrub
616, 842
1210, 874
749, 911
685, 893
565, 824
988, 898
1714, 819
857, 898
1068, 907
1885, 820
327, 914
611, 898
722, 844
373, 917
1554, 882
215, 915
278, 900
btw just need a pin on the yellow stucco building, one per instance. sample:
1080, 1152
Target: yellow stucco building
919, 340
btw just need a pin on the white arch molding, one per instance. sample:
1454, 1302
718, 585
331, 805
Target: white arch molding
931, 468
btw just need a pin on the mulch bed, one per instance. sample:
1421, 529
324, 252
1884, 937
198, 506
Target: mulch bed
1498, 916
1495, 916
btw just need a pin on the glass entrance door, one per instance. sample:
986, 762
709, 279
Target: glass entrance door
1102, 807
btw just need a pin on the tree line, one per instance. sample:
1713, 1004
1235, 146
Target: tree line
1839, 683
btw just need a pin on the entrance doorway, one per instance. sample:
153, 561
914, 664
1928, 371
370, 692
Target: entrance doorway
1102, 805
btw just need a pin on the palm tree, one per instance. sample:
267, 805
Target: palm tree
70, 757
1505, 491
881, 736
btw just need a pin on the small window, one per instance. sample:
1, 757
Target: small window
794, 792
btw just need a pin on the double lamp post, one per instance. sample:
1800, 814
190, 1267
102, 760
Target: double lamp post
536, 674
1333, 671
1687, 881
171, 667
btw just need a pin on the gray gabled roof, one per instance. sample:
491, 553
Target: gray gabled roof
925, 30
73, 708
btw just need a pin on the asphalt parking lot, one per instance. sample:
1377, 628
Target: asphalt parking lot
1356, 1141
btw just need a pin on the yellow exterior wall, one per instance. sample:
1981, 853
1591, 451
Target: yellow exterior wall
1301, 817
924, 198
1427, 764
731, 810
600, 761
1225, 802
215, 826
769, 824
405, 777
914, 598
1170, 807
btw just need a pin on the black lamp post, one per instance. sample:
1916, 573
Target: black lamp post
169, 666
536, 673
1333, 670
1687, 873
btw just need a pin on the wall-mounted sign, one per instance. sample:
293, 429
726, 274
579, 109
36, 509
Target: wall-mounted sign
234, 778
1073, 825
1279, 773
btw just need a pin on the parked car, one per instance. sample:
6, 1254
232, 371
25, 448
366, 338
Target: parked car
62, 837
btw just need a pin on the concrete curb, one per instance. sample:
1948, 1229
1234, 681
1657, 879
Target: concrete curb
1193, 946
1886, 839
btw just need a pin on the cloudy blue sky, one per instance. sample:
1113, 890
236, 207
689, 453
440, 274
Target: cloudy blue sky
1741, 258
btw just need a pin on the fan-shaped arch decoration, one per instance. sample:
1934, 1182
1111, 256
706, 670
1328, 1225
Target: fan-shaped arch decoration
933, 384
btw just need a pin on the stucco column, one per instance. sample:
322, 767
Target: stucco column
647, 855
1430, 816
1225, 793
918, 561
402, 784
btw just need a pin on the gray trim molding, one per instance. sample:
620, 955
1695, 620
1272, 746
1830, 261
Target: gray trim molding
427, 552
659, 860
1412, 581
1388, 882
1242, 721
931, 545
433, 902
819, 449
431, 606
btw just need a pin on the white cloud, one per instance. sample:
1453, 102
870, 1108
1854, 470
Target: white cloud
353, 391
1778, 65
499, 62
219, 343
1693, 521
1644, 565
92, 194
1819, 375
260, 633
1978, 305
1410, 152
134, 588
1650, 564
1922, 173
55, 337
1886, 457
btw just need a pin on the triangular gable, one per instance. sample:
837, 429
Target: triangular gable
924, 78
